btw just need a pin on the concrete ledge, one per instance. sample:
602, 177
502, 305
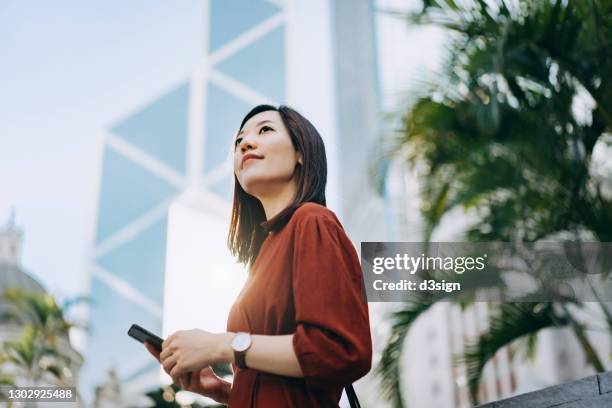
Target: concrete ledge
605, 382
589, 392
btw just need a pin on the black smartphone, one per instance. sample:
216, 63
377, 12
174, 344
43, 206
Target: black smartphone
143, 335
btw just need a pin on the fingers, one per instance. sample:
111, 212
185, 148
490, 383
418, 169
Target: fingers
176, 379
176, 370
207, 371
169, 364
185, 380
166, 352
166, 343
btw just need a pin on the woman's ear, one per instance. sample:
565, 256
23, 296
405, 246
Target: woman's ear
300, 160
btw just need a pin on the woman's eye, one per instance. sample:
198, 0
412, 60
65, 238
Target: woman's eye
265, 128
237, 142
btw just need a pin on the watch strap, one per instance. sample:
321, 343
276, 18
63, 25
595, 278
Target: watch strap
240, 359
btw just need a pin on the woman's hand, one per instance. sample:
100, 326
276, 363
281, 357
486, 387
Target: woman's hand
191, 350
204, 381
207, 383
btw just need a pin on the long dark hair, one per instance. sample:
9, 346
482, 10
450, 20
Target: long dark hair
248, 225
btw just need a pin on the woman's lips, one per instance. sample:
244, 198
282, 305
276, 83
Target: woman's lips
247, 158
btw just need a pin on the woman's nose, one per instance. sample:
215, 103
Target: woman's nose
246, 145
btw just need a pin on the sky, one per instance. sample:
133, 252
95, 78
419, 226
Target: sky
68, 71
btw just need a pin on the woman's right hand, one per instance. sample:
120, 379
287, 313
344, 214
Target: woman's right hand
204, 382
207, 383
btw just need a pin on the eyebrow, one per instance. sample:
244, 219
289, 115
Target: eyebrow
260, 123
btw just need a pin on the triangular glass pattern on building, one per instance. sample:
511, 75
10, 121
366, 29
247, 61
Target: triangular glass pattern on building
261, 65
127, 192
230, 18
224, 188
141, 261
160, 129
223, 116
108, 344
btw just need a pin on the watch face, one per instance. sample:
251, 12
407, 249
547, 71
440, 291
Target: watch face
241, 342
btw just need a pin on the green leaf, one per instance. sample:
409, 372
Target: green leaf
509, 322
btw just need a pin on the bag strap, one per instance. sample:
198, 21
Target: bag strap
352, 396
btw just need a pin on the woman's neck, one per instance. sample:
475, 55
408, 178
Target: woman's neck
276, 201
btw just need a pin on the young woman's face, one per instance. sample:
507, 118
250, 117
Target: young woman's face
264, 157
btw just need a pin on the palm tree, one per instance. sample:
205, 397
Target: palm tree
5, 380
510, 132
37, 351
33, 357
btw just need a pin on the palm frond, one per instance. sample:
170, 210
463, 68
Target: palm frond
510, 322
389, 365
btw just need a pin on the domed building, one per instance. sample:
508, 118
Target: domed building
12, 276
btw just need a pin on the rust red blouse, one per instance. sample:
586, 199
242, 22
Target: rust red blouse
307, 281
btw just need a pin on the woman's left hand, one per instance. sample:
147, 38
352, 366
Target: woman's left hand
192, 350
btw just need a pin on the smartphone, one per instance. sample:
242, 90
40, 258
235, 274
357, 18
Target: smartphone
143, 335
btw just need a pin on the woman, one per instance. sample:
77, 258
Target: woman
299, 330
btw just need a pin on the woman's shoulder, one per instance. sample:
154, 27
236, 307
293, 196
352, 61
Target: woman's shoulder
312, 215
315, 224
310, 209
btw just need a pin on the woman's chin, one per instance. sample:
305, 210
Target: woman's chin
252, 187
261, 186
258, 188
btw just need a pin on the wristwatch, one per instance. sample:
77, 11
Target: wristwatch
240, 344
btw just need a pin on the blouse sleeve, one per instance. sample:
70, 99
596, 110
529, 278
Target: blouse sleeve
332, 341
